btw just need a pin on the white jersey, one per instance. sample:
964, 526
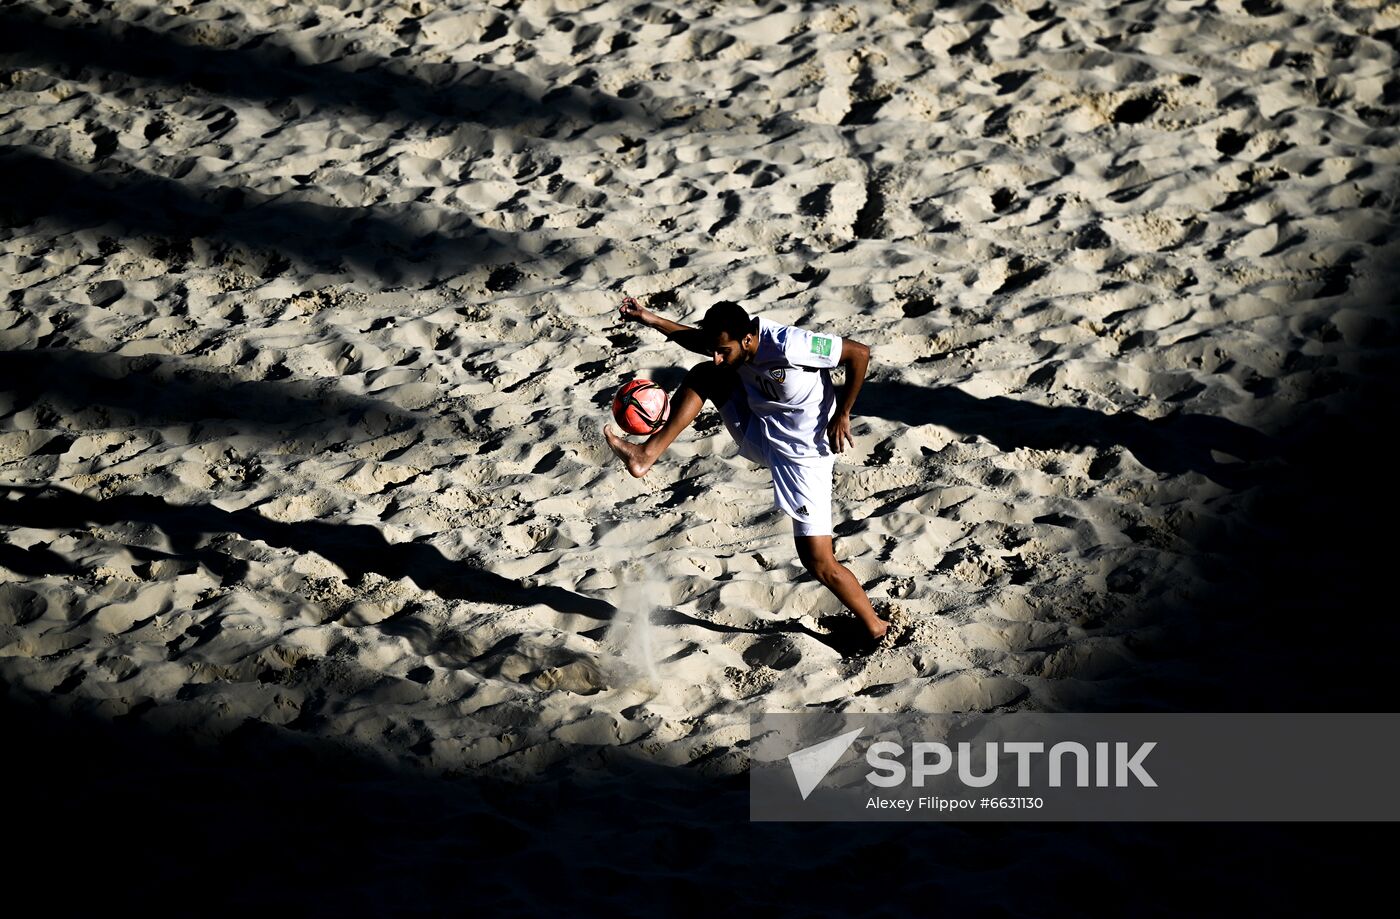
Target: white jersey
789, 389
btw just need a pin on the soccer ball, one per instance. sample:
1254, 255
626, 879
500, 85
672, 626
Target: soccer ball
641, 407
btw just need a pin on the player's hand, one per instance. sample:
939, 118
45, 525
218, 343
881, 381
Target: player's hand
631, 311
838, 433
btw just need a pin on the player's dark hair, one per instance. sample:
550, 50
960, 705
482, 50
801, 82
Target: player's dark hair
728, 317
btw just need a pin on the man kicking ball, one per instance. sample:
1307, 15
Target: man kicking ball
772, 386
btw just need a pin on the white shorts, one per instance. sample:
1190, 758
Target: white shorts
801, 488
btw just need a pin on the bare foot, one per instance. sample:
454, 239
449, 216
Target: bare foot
896, 627
632, 454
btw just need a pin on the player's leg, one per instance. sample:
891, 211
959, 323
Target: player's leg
802, 488
819, 557
704, 381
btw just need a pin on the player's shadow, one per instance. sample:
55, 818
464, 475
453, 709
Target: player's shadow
104, 391
364, 241
357, 549
844, 633
1170, 446
262, 68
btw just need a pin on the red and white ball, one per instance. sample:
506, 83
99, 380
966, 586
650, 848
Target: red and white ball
641, 407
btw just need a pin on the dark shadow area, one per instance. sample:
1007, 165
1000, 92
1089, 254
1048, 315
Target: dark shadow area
262, 69
1294, 614
1170, 446
1297, 614
357, 549
331, 239
268, 815
34, 561
156, 391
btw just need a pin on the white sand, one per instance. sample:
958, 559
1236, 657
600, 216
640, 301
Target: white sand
311, 328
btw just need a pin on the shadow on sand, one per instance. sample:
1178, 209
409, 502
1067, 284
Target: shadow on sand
159, 391
1170, 446
356, 549
362, 241
260, 68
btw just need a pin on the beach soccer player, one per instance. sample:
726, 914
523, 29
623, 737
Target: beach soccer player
772, 386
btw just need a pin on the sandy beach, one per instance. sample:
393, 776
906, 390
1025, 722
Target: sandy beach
310, 332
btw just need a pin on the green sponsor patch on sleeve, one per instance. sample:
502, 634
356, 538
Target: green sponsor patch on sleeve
821, 345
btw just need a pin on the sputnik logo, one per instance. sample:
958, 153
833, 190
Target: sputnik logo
811, 764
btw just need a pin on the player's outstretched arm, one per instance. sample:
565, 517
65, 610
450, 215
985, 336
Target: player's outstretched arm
855, 357
689, 338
